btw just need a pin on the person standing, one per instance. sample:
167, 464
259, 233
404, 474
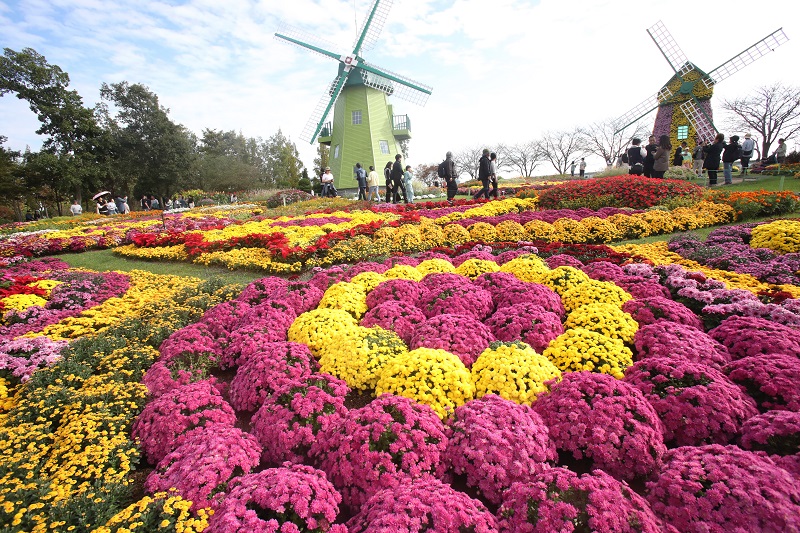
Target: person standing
697, 159
145, 203
748, 145
408, 179
780, 153
711, 158
687, 156
661, 157
154, 204
649, 158
730, 153
484, 172
327, 183
75, 208
361, 178
447, 170
493, 178
572, 169
387, 176
373, 182
397, 180
635, 159
677, 159
582, 168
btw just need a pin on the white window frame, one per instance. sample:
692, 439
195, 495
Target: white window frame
685, 129
336, 152
384, 147
356, 117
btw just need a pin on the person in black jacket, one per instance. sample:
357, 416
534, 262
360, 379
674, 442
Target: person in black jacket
677, 159
649, 159
387, 176
397, 180
712, 154
484, 173
731, 152
635, 159
447, 170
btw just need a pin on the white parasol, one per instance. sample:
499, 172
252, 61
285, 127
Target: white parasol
98, 195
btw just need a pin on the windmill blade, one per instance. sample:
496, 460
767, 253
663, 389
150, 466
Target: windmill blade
757, 51
704, 128
323, 108
644, 108
371, 27
395, 84
306, 41
669, 48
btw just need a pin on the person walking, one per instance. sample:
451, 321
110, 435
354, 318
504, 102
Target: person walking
635, 159
661, 157
373, 181
748, 145
649, 158
361, 178
697, 159
75, 208
780, 153
387, 176
572, 169
711, 158
447, 171
493, 178
730, 153
484, 172
582, 168
408, 179
397, 180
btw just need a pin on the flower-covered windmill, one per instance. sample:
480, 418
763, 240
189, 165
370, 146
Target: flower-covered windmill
684, 103
364, 128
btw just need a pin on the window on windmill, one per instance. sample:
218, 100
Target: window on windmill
384, 147
683, 132
357, 117
336, 152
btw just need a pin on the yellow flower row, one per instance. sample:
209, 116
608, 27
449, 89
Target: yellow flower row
783, 236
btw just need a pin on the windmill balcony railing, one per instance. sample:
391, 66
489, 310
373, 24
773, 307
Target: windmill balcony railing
326, 130
401, 122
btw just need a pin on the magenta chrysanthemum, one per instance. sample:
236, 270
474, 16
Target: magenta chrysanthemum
533, 293
774, 432
528, 322
773, 381
401, 317
457, 300
648, 310
671, 339
746, 336
400, 290
461, 335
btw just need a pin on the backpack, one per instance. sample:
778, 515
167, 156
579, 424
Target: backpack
625, 157
441, 172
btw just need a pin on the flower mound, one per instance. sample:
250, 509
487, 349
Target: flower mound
398, 316
292, 498
174, 413
364, 451
773, 381
419, 505
580, 349
359, 358
697, 404
400, 290
203, 462
525, 321
350, 297
496, 442
605, 420
669, 339
432, 377
560, 500
513, 371
290, 419
316, 328
461, 335
532, 293
276, 364
648, 310
606, 319
723, 488
464, 300
746, 336
21, 357
775, 432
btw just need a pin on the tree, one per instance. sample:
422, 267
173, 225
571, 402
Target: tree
772, 111
602, 139
305, 182
321, 161
282, 162
467, 161
12, 185
428, 174
522, 157
561, 147
229, 161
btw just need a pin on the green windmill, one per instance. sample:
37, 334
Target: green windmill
364, 128
684, 103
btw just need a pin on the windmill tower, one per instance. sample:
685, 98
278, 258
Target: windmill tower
684, 103
364, 128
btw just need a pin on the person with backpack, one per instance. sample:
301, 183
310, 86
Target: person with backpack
447, 172
711, 157
649, 157
361, 178
731, 152
484, 173
748, 145
635, 158
387, 176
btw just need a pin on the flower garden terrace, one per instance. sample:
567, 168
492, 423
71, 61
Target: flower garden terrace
379, 394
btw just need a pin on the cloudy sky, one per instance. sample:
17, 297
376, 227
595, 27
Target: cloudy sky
502, 70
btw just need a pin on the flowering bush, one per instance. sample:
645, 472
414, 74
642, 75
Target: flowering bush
161, 511
272, 366
21, 357
350, 297
593, 292
435, 378
580, 349
291, 498
316, 328
627, 191
534, 293
513, 371
618, 430
174, 413
204, 460
300, 296
773, 381
525, 321
398, 316
774, 432
401, 290
746, 336
496, 442
606, 319
697, 404
560, 500
723, 488
358, 358
648, 310
424, 504
365, 450
465, 300
461, 335
781, 236
664, 338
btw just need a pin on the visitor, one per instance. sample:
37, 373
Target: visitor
111, 207
361, 178
397, 180
572, 169
493, 178
730, 153
126, 209
234, 198
145, 203
118, 204
582, 168
190, 203
484, 173
387, 178
661, 157
447, 171
102, 208
649, 158
327, 183
748, 145
677, 159
687, 157
373, 182
75, 208
408, 179
169, 204
635, 159
697, 159
154, 203
780, 153
711, 158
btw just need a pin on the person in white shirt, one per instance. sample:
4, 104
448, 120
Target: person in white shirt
748, 145
76, 208
582, 167
327, 183
493, 176
373, 183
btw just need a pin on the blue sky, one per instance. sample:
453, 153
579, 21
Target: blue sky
502, 70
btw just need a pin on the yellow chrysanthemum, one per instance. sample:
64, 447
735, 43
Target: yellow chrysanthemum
513, 371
